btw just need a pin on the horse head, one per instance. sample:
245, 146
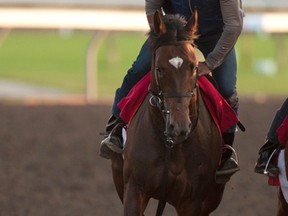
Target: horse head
174, 67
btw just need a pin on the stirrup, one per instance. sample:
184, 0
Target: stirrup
108, 148
265, 172
226, 146
222, 177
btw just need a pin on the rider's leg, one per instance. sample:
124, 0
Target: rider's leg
140, 67
113, 136
225, 76
271, 143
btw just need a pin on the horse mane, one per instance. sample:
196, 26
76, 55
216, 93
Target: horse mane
175, 32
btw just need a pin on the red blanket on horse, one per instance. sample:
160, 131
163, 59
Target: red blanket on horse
282, 132
221, 112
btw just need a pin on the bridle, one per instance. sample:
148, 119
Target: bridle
157, 99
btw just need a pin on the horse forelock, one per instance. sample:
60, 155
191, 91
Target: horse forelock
175, 32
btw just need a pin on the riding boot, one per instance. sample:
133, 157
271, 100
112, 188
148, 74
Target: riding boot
267, 154
113, 141
228, 164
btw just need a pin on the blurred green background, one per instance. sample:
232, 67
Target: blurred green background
57, 59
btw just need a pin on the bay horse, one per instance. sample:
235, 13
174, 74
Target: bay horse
172, 150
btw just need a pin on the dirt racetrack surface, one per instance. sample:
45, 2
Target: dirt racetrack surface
49, 163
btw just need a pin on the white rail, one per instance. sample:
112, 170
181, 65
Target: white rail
91, 19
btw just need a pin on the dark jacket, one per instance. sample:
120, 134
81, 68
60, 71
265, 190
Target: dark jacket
210, 19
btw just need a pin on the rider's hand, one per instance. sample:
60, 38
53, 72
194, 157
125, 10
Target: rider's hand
203, 69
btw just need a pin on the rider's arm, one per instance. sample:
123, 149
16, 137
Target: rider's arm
232, 14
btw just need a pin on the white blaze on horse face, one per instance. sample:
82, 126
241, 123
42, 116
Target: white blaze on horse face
176, 62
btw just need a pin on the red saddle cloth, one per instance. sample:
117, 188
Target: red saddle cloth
223, 115
282, 132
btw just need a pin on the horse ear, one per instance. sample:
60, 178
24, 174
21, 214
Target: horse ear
192, 23
158, 24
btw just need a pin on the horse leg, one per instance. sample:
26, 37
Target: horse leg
117, 172
282, 205
135, 202
213, 200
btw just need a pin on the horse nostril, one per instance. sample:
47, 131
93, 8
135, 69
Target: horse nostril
185, 132
186, 129
170, 130
171, 127
175, 129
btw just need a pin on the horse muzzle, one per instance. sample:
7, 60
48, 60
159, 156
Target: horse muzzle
177, 128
